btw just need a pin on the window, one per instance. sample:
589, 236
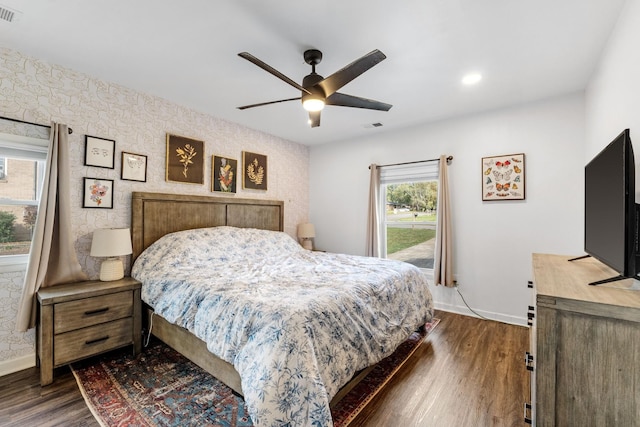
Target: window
19, 192
3, 168
410, 197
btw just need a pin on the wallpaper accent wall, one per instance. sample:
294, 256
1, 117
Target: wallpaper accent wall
13, 344
36, 91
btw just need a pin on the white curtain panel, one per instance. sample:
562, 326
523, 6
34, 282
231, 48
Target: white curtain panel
373, 217
443, 263
52, 258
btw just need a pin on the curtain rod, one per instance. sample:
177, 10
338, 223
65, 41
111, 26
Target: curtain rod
449, 160
30, 123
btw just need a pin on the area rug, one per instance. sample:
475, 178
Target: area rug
160, 387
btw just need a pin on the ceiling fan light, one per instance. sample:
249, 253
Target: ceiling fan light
313, 104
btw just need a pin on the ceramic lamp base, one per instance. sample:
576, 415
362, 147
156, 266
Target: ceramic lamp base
111, 269
307, 244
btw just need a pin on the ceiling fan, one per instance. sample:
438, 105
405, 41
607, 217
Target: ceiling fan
316, 91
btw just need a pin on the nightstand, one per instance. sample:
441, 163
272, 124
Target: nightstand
82, 319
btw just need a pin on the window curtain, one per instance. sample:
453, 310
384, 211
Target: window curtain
443, 263
373, 217
52, 258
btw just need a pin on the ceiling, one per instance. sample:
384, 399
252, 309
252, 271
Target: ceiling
186, 52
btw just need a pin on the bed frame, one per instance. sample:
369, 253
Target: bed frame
157, 214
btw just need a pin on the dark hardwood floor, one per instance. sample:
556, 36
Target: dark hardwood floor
24, 403
469, 372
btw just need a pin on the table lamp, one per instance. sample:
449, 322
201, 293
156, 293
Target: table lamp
306, 232
111, 243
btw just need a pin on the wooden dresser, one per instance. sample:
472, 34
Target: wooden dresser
82, 319
585, 345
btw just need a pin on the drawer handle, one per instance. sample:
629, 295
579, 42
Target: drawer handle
527, 410
98, 311
530, 284
97, 340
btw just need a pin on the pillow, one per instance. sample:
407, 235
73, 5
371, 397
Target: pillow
216, 244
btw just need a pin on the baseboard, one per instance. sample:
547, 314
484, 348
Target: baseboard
18, 364
499, 317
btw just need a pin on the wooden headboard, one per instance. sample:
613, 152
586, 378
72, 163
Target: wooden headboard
155, 214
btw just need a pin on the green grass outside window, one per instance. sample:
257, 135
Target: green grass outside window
402, 238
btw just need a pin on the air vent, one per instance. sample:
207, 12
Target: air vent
373, 125
9, 15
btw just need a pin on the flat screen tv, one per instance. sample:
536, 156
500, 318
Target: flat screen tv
611, 214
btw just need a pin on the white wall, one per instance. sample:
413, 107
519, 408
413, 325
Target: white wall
613, 95
493, 240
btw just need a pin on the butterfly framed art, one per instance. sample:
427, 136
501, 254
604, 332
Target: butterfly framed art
503, 177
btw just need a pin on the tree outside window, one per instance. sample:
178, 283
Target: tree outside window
410, 222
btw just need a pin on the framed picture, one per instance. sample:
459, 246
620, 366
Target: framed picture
134, 167
254, 175
99, 152
185, 160
503, 177
98, 193
224, 173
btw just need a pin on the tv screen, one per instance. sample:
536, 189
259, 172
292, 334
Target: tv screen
610, 211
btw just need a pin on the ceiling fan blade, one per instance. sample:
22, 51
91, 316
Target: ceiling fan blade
341, 77
268, 68
244, 107
344, 100
314, 118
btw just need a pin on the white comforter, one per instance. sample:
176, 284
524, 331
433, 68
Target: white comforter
295, 324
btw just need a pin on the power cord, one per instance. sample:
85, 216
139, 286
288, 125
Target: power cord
465, 303
148, 338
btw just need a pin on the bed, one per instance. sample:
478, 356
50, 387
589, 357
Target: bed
289, 329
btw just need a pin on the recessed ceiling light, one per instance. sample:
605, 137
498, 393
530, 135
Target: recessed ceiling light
471, 79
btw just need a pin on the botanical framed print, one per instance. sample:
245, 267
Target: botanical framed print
99, 152
503, 177
98, 193
254, 175
224, 173
134, 167
185, 160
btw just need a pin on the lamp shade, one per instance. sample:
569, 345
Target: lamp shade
306, 231
111, 242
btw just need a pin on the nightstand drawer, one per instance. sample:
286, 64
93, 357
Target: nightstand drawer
86, 342
81, 313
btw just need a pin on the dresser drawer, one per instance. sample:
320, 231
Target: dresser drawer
96, 339
72, 315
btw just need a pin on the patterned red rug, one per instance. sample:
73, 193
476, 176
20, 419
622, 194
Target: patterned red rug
161, 387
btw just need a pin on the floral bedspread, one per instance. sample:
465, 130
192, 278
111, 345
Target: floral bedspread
295, 324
